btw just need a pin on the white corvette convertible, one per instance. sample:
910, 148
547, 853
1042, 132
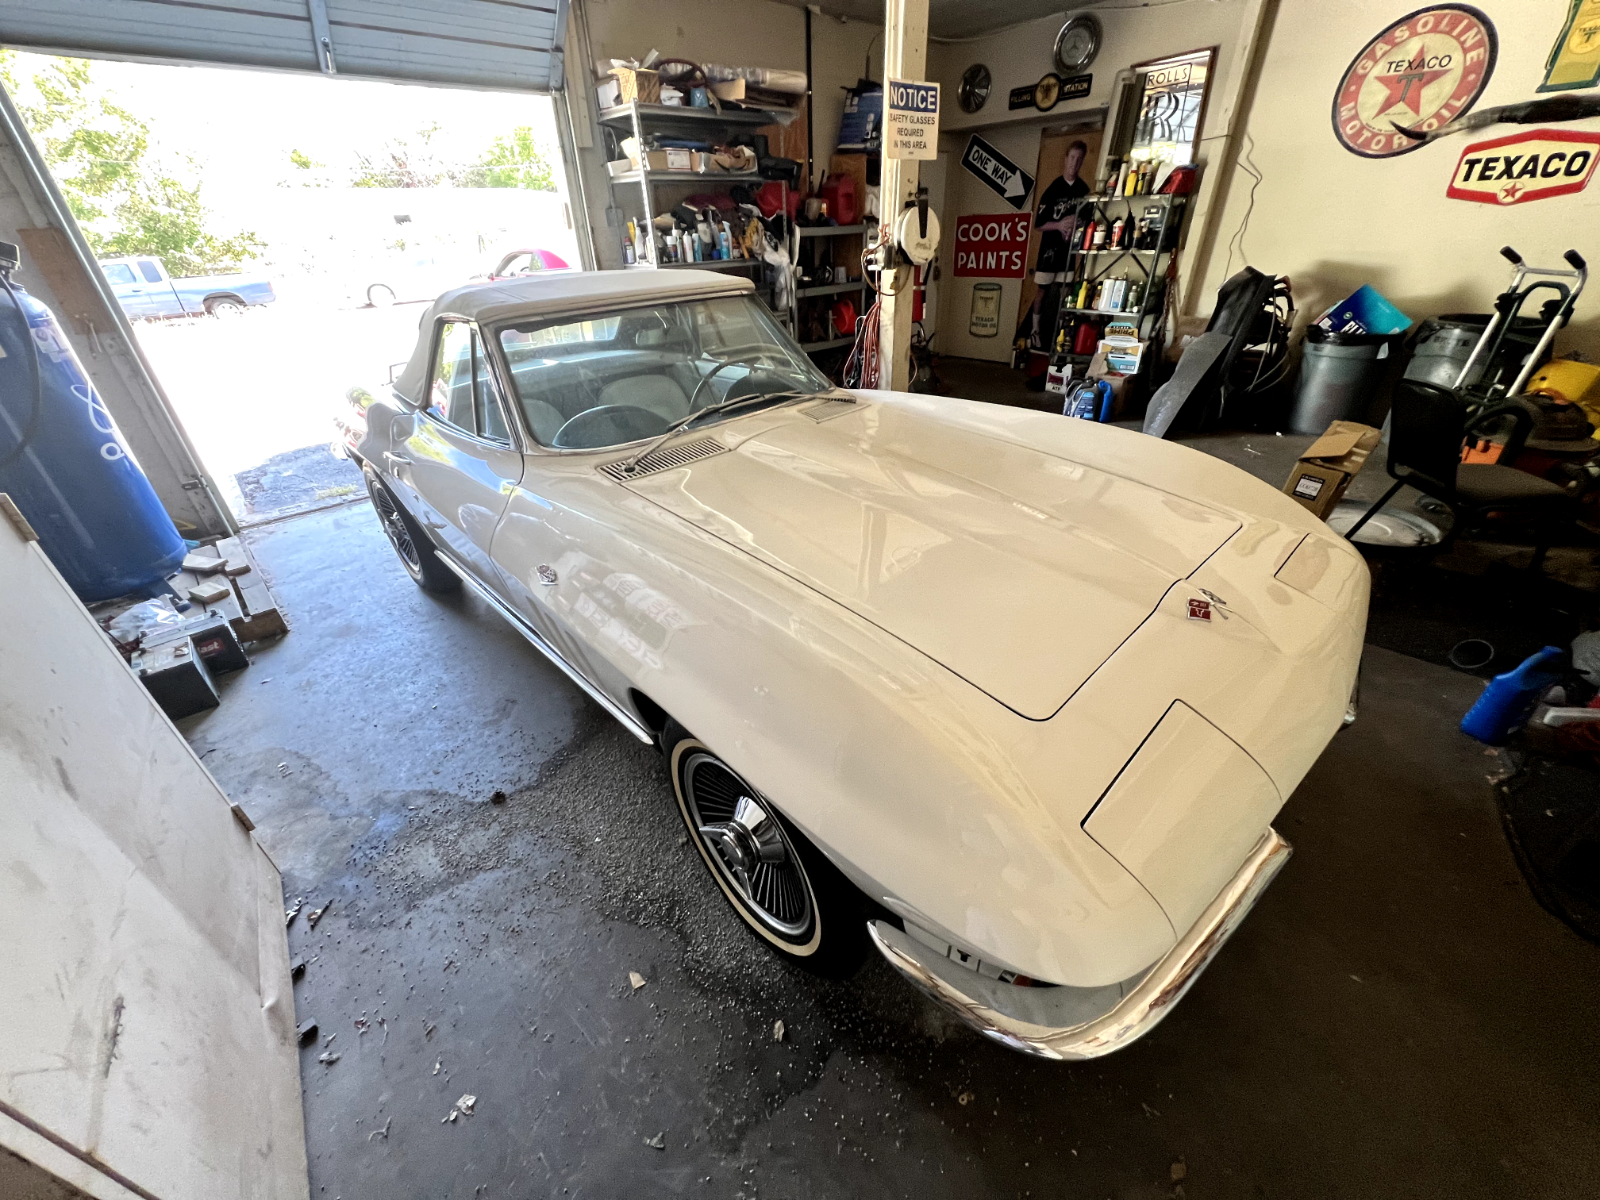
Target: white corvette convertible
1011, 697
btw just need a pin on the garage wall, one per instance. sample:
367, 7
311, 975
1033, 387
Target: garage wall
1020, 56
1332, 220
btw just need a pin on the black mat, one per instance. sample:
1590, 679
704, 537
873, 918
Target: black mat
1551, 814
1424, 610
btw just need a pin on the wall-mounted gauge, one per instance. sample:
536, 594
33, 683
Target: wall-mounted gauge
1077, 44
974, 90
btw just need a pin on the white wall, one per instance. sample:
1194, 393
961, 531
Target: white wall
1332, 220
1023, 54
147, 1013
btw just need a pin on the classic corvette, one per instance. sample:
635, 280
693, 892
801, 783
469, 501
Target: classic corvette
1012, 698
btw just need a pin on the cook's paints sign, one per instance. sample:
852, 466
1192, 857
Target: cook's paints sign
911, 119
1525, 166
993, 245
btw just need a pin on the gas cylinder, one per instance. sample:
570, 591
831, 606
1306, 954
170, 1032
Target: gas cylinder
76, 482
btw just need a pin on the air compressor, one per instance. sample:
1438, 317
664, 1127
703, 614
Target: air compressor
65, 465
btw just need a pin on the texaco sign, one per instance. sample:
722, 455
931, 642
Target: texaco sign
1427, 68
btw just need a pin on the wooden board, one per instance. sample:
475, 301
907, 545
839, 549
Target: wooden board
259, 615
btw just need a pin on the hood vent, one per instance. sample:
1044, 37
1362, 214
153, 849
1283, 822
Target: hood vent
829, 409
664, 459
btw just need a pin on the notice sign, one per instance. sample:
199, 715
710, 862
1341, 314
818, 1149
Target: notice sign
1002, 176
911, 120
993, 245
1525, 166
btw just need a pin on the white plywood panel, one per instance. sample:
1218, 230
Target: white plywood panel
147, 1009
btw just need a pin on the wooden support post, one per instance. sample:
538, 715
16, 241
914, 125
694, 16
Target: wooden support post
905, 56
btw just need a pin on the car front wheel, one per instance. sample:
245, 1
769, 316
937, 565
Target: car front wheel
411, 545
782, 886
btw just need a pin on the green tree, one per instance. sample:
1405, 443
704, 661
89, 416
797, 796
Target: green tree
126, 200
514, 160
405, 163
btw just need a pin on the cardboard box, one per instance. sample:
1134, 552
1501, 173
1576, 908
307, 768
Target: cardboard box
655, 160
1329, 464
643, 86
1100, 368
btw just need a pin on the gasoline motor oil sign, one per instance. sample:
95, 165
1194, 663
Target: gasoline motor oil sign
1421, 72
1525, 166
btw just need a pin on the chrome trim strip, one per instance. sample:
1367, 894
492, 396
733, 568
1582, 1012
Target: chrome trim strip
629, 722
1145, 1003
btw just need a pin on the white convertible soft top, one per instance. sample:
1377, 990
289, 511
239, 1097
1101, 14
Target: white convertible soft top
558, 293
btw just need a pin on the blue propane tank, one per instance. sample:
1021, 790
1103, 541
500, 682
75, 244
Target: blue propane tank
96, 514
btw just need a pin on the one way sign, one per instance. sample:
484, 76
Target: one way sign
1009, 181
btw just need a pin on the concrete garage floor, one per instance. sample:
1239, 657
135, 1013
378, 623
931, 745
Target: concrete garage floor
1397, 1017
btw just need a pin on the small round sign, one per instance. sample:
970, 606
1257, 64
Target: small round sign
1423, 71
1046, 92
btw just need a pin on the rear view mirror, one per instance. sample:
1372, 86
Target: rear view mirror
395, 369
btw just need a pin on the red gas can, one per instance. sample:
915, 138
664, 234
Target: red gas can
839, 193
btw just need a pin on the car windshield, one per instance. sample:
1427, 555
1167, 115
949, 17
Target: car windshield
609, 380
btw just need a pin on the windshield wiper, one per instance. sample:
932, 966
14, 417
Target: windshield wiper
630, 465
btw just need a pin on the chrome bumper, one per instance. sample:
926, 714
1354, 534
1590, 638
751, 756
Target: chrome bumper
1134, 1007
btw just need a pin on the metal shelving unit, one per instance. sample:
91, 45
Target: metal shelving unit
832, 344
700, 124
816, 231
827, 289
1095, 264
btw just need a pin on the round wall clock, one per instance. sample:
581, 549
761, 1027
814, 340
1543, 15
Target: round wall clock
974, 89
1421, 72
1077, 44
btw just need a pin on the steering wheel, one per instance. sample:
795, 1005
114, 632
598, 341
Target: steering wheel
608, 425
711, 374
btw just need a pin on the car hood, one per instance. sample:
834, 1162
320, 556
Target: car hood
1019, 570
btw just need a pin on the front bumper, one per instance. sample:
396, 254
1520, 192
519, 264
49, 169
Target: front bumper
1068, 1023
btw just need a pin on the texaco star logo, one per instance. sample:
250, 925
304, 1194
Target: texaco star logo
1426, 69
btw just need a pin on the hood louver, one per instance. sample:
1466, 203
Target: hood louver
663, 460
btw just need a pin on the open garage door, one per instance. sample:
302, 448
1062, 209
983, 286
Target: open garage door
62, 274
464, 43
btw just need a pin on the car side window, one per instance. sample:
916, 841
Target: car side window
151, 272
450, 393
488, 411
120, 273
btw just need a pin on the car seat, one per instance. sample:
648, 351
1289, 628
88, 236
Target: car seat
654, 393
543, 420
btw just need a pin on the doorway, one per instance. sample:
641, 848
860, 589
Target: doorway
274, 238
1065, 147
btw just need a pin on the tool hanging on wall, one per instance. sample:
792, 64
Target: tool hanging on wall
1530, 112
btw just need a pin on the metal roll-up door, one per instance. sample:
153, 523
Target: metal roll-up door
509, 44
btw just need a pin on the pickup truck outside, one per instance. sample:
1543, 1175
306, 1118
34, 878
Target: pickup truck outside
145, 290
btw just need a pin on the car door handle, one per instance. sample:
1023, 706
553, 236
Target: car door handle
396, 460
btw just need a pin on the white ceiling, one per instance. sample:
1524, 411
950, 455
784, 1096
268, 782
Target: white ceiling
954, 18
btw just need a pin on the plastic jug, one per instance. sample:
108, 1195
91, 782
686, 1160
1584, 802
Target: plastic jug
839, 193
1508, 700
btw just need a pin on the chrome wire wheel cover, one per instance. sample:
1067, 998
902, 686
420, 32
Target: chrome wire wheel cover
747, 846
395, 527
